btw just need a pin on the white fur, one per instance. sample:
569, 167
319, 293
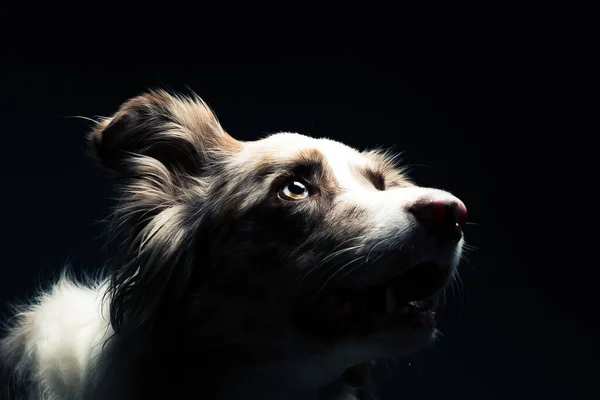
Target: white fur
62, 335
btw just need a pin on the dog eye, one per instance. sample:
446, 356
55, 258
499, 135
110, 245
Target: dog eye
294, 190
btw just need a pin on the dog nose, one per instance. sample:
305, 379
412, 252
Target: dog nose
443, 219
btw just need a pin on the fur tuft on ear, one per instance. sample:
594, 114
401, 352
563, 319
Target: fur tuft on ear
156, 143
177, 131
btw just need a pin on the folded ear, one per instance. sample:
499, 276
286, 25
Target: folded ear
155, 143
182, 133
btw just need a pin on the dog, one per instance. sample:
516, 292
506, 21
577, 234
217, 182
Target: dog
280, 268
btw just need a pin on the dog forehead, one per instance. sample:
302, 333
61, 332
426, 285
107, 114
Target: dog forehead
343, 161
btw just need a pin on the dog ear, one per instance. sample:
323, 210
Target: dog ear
157, 144
179, 132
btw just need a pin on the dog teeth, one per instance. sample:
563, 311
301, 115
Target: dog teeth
390, 305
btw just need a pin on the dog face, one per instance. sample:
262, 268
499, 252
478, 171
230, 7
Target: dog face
287, 246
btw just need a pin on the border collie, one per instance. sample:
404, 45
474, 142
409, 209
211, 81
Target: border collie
280, 268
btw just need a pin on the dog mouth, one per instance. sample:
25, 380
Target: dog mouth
408, 301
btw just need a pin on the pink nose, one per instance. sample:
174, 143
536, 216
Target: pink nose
442, 218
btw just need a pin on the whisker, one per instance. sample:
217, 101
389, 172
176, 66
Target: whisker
332, 255
335, 274
373, 248
354, 268
348, 240
83, 118
328, 258
460, 288
468, 262
369, 264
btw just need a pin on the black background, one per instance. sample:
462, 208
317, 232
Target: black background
506, 120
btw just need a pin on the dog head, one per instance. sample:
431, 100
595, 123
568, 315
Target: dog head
285, 246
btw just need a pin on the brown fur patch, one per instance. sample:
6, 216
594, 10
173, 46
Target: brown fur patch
180, 132
385, 166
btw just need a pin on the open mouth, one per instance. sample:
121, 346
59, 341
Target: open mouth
407, 301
